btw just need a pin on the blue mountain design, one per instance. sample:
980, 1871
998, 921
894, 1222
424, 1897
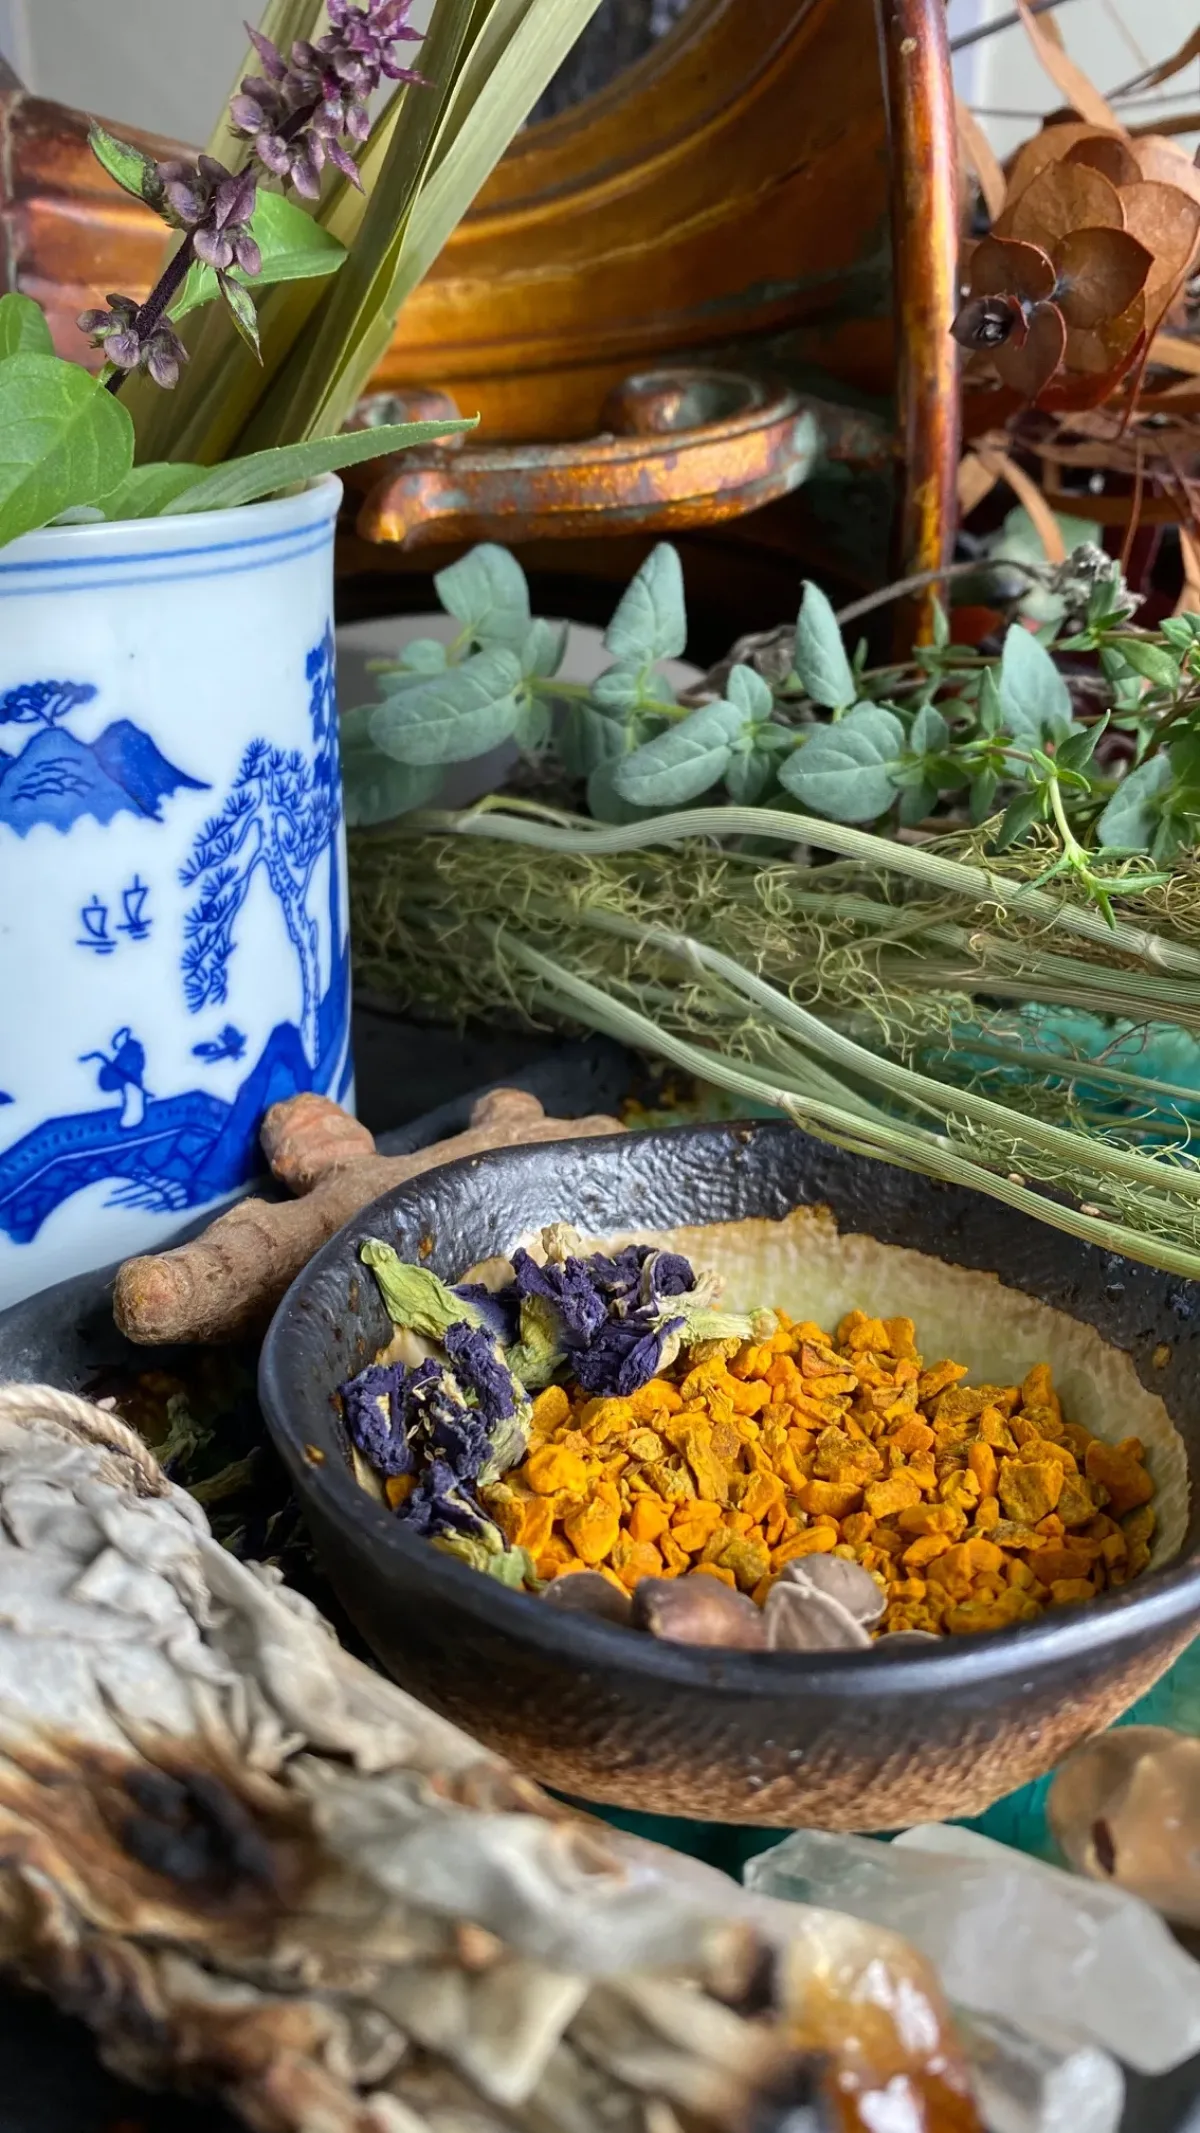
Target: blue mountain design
59, 780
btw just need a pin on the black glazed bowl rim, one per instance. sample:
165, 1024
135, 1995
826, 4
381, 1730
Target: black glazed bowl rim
1156, 1602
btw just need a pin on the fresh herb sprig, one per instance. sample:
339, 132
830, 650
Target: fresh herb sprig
950, 739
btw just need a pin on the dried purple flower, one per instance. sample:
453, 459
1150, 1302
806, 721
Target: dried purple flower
119, 333
299, 114
481, 1370
626, 1355
374, 1408
570, 1286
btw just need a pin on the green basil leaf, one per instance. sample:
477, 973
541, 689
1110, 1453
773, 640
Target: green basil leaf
454, 716
241, 308
820, 658
941, 626
587, 739
990, 709
146, 491
750, 694
1019, 817
1132, 816
375, 787
293, 247
680, 764
1034, 697
133, 171
1151, 662
651, 621
64, 441
983, 795
488, 594
544, 649
847, 771
23, 328
285, 466
930, 733
1076, 752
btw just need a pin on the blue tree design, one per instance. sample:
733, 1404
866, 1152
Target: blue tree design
281, 815
43, 703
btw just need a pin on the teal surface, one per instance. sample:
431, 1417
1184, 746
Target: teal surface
1019, 1820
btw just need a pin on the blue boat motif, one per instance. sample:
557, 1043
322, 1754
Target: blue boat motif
280, 817
95, 935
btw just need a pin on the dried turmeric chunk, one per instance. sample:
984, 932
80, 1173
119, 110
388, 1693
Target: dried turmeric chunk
1138, 1526
925, 1549
857, 1331
1120, 1471
1064, 1590
695, 1523
535, 1524
847, 1460
936, 1379
832, 1498
1029, 1489
635, 1559
898, 1493
553, 1467
749, 1559
1037, 1389
711, 1478
932, 1518
714, 1570
815, 1540
911, 1437
675, 1559
550, 1410
593, 1530
1054, 1563
1077, 1503
902, 1336
649, 1518
763, 1495
659, 1397
982, 1461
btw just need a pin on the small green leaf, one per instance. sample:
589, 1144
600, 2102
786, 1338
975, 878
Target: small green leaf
587, 739
1129, 821
148, 490
651, 620
606, 804
286, 466
916, 803
240, 305
293, 247
1034, 697
983, 795
23, 328
133, 171
619, 691
750, 694
1076, 752
990, 709
747, 776
488, 594
1151, 662
941, 626
848, 770
1180, 631
930, 733
377, 788
1019, 818
454, 716
544, 650
64, 441
532, 729
681, 763
424, 655
820, 659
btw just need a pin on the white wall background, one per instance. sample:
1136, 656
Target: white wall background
166, 64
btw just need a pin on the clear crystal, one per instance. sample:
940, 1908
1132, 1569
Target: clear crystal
1066, 1960
1026, 2086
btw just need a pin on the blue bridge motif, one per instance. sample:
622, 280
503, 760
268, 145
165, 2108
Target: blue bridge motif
281, 815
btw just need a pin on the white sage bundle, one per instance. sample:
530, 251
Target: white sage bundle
256, 1867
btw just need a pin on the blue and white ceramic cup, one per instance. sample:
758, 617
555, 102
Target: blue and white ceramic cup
174, 955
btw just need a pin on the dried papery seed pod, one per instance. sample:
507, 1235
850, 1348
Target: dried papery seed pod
698, 1609
836, 1578
800, 1619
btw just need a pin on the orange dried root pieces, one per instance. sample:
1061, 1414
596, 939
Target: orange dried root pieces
973, 1507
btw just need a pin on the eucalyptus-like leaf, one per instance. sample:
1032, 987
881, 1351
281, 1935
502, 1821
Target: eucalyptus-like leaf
651, 620
375, 787
294, 247
533, 725
454, 716
424, 655
619, 691
134, 171
820, 658
63, 441
1035, 700
607, 803
1132, 816
930, 733
543, 650
587, 739
748, 774
916, 802
983, 795
488, 594
680, 764
23, 328
246, 481
750, 694
147, 491
848, 770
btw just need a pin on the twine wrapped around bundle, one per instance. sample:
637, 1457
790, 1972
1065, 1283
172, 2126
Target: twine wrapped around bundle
252, 1865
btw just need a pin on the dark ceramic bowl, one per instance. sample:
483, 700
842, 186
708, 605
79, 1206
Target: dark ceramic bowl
838, 1741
